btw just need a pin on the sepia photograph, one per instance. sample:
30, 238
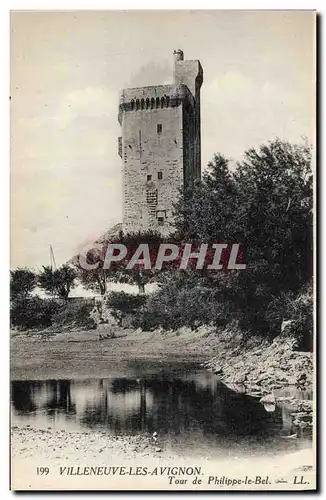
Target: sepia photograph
162, 253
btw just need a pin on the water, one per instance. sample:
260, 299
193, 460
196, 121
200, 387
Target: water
187, 406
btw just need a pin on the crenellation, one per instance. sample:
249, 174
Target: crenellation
160, 144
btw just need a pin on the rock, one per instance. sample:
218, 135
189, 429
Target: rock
269, 407
269, 399
218, 369
302, 378
252, 387
293, 436
256, 394
158, 450
275, 386
239, 378
258, 352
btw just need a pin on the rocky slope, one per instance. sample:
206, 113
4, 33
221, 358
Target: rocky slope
264, 371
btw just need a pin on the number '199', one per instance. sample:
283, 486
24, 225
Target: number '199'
40, 471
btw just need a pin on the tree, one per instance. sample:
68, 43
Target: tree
275, 196
265, 205
58, 281
22, 283
205, 210
97, 279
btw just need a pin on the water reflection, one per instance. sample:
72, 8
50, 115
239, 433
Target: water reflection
170, 403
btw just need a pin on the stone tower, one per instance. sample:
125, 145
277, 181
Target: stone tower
159, 146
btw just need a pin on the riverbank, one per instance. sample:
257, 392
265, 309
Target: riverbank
256, 367
60, 450
259, 370
273, 372
264, 367
79, 354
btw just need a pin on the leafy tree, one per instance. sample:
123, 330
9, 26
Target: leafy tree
205, 210
58, 281
265, 205
22, 283
275, 196
97, 279
94, 279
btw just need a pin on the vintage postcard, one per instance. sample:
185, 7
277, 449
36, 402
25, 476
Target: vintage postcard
162, 313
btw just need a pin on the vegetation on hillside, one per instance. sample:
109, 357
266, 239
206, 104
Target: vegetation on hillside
28, 311
264, 204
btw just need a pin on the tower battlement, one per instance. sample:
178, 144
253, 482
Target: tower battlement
154, 97
159, 146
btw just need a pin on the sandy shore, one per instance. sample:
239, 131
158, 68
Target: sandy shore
69, 455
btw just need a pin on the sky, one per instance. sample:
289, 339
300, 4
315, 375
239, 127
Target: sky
67, 69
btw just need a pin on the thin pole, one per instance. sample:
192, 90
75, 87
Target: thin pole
52, 259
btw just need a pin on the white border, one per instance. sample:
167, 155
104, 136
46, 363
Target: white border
5, 7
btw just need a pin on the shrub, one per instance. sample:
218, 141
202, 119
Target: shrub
75, 312
33, 312
183, 301
302, 324
127, 303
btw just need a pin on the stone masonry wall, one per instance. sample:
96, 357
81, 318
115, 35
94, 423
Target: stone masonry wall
146, 151
159, 146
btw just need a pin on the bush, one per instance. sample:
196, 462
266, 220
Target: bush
127, 303
75, 312
183, 301
33, 312
301, 326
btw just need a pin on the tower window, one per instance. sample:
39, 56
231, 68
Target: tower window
159, 128
149, 177
160, 175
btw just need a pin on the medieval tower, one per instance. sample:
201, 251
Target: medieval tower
159, 146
